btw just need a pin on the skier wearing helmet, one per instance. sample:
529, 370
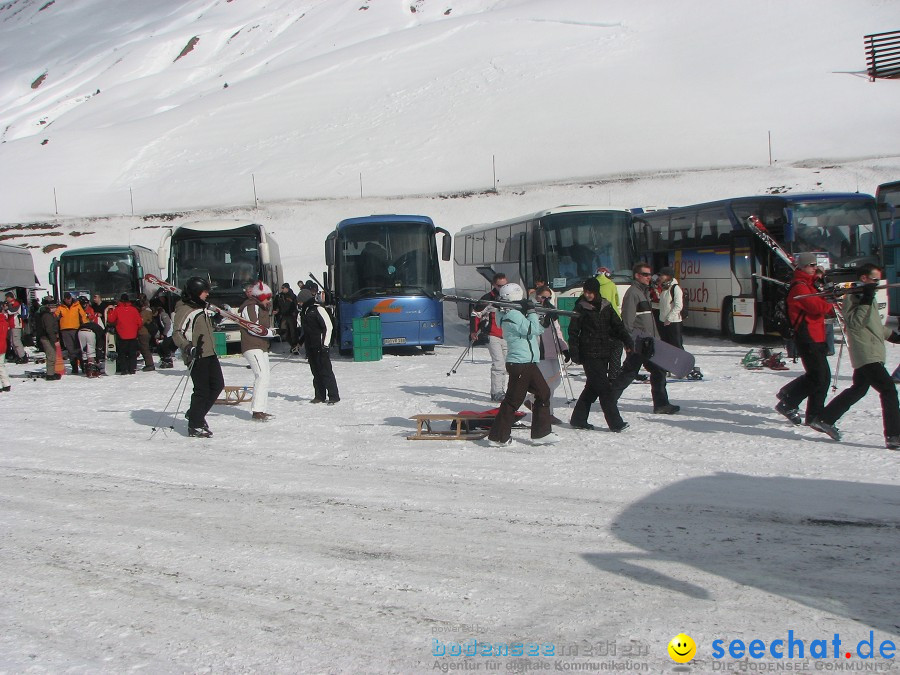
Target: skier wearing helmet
522, 329
193, 334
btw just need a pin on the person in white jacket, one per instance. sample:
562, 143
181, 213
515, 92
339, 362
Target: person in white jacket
671, 302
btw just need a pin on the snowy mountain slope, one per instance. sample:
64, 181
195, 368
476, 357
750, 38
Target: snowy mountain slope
323, 94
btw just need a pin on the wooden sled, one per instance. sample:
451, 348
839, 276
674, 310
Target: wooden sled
236, 395
460, 427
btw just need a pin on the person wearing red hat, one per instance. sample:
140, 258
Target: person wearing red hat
256, 349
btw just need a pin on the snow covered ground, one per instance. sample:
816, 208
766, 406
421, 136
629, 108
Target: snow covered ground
324, 541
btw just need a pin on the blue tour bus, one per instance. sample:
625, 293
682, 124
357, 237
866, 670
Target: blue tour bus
887, 196
387, 265
716, 257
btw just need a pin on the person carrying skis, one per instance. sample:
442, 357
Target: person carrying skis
317, 331
4, 332
522, 329
486, 320
193, 334
256, 349
591, 335
637, 314
91, 340
866, 335
807, 316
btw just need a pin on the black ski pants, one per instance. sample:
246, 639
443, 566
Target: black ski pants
324, 382
672, 334
206, 375
630, 368
126, 355
523, 378
598, 387
813, 384
873, 375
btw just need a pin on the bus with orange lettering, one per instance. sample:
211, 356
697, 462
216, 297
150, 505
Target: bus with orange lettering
387, 265
720, 262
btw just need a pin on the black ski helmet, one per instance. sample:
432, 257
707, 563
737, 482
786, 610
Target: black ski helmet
194, 287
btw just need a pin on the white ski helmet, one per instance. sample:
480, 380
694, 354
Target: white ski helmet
511, 293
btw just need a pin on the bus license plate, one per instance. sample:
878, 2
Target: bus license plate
393, 341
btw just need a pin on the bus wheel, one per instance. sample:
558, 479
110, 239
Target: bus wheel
428, 349
728, 319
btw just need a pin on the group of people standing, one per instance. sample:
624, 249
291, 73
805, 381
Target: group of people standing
598, 335
193, 330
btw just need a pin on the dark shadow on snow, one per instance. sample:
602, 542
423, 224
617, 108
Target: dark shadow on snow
826, 544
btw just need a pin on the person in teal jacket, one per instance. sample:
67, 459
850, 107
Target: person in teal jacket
522, 330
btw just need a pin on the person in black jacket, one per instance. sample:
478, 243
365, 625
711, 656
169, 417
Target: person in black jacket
285, 307
591, 335
317, 332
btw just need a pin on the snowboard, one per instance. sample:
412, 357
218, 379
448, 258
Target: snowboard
666, 356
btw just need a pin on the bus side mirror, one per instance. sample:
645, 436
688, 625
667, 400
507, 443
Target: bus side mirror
446, 243
330, 241
264, 253
789, 225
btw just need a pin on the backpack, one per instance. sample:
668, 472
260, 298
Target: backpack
781, 322
684, 301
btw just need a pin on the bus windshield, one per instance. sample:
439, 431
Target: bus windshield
578, 244
109, 274
227, 262
843, 230
387, 259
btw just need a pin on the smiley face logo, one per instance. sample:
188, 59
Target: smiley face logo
682, 648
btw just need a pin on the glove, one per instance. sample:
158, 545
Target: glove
573, 355
894, 338
567, 356
527, 306
191, 353
217, 319
111, 329
867, 297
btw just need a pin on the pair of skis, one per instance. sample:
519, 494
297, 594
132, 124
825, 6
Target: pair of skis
521, 305
253, 328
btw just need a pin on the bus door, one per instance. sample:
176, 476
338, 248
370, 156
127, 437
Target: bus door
740, 316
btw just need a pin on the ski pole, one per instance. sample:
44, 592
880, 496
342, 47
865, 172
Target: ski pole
837, 367
461, 358
156, 427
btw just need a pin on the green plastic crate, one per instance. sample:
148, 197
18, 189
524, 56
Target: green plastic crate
367, 325
367, 354
366, 340
567, 304
220, 344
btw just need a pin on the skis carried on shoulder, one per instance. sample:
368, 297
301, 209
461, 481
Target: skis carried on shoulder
253, 328
843, 288
511, 305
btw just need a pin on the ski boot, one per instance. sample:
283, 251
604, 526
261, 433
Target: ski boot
166, 363
91, 369
694, 374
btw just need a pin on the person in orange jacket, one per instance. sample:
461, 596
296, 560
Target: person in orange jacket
71, 316
127, 321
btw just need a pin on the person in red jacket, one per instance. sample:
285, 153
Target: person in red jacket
4, 331
127, 321
807, 316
